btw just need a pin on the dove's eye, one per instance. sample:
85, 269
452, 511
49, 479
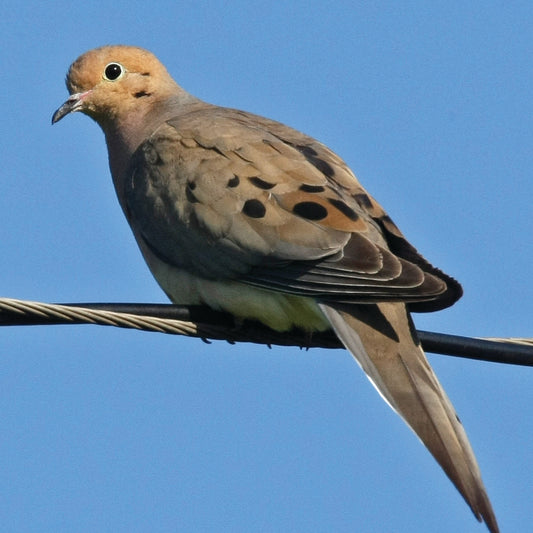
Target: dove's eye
113, 71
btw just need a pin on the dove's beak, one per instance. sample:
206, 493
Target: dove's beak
74, 103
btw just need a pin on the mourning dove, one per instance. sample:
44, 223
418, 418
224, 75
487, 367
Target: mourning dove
246, 215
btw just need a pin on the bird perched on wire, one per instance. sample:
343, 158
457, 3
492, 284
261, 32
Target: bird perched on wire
249, 216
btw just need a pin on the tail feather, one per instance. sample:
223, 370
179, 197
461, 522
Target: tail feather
383, 340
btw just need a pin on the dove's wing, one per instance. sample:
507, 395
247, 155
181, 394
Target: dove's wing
246, 202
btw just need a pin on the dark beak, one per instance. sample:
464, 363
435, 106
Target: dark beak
74, 103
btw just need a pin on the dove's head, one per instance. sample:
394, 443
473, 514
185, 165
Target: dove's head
112, 82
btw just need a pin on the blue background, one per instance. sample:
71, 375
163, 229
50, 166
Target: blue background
103, 429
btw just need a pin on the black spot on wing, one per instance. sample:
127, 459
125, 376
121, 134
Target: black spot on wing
234, 182
306, 151
190, 195
261, 184
310, 210
387, 220
323, 166
312, 156
363, 200
343, 208
254, 208
312, 188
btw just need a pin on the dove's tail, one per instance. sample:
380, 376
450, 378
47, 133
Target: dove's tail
392, 358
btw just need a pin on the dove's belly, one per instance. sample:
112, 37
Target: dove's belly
279, 311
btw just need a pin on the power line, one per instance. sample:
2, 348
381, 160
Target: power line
202, 322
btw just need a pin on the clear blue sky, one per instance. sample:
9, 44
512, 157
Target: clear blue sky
104, 429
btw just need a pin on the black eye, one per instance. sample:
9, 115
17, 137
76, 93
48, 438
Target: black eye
113, 71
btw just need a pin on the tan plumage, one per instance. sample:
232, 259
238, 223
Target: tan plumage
250, 216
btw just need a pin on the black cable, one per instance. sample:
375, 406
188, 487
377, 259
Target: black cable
222, 326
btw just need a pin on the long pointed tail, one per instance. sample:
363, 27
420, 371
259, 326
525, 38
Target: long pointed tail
383, 340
